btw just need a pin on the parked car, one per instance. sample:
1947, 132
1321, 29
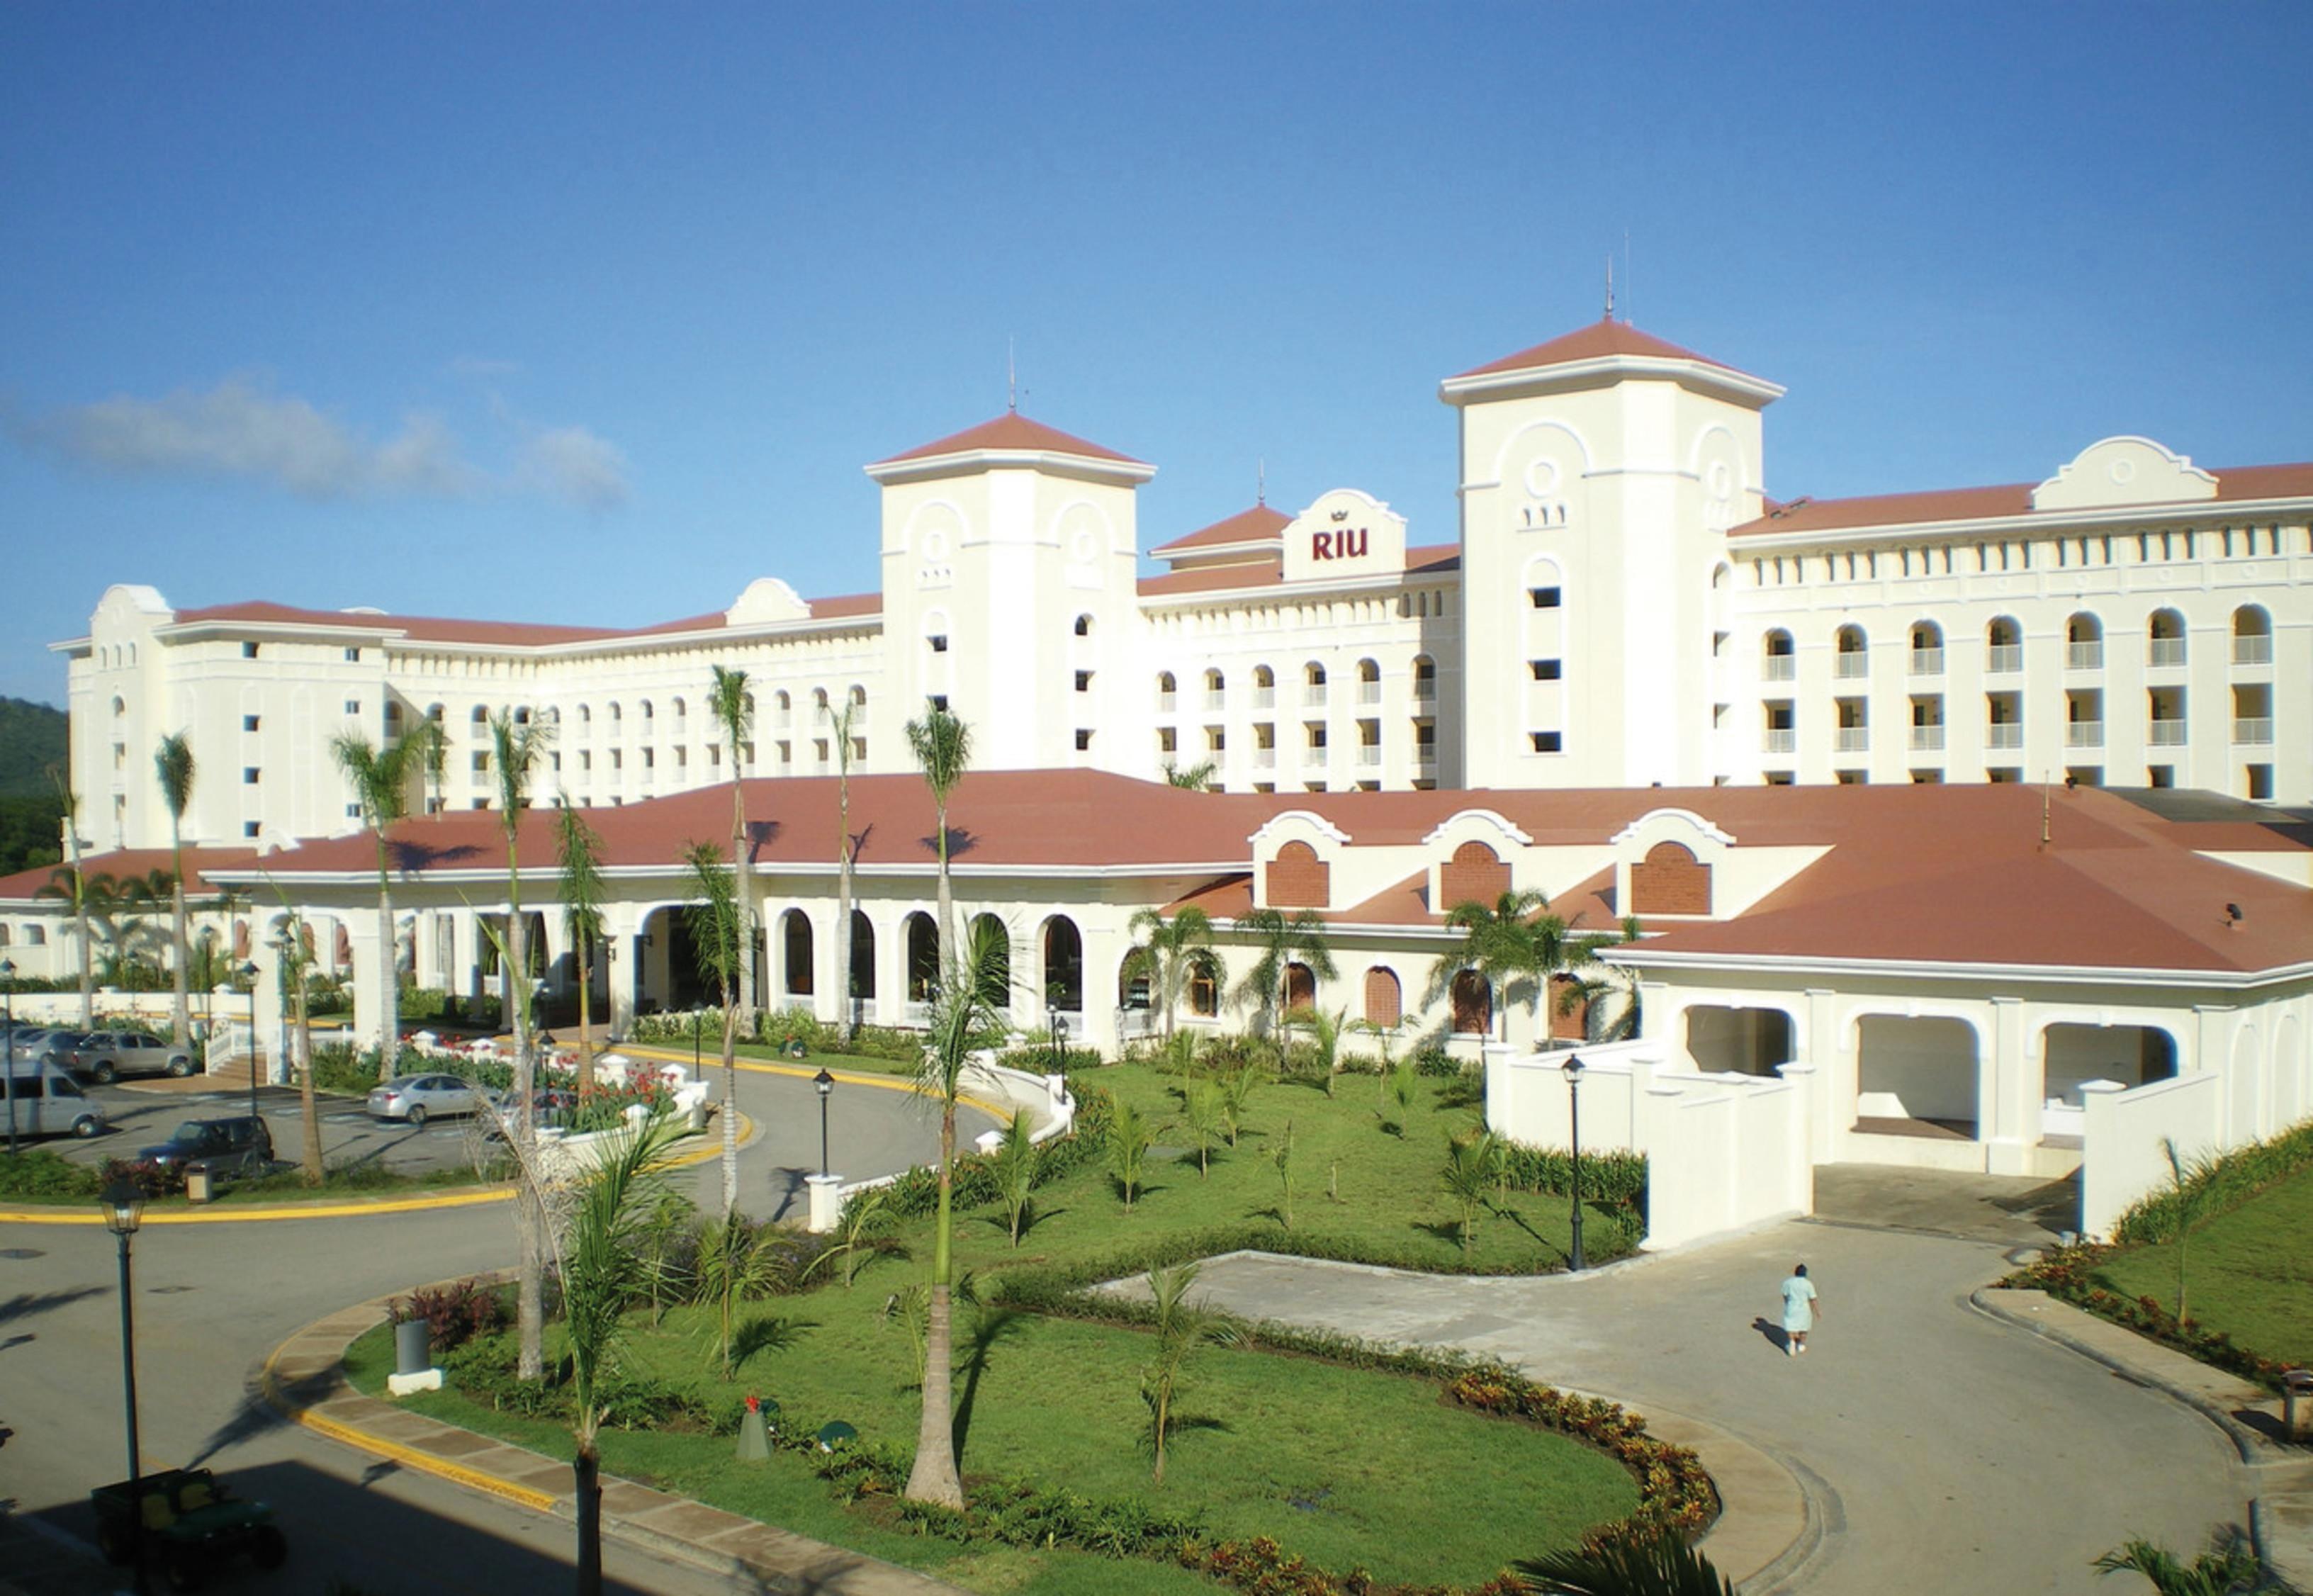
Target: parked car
57, 1046
47, 1101
110, 1054
229, 1147
418, 1099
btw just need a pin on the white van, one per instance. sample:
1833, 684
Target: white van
45, 1101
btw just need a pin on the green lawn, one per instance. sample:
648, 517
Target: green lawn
2249, 1273
1346, 1467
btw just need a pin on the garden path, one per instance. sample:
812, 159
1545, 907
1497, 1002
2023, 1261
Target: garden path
1942, 1450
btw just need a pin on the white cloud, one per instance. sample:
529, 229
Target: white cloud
239, 428
572, 464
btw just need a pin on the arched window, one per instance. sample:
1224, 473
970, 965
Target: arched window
643, 710
2003, 643
433, 713
3, 933
481, 715
1425, 677
680, 710
1474, 874
1780, 660
614, 715
1084, 626
2164, 643
36, 936
859, 701
923, 957
1473, 1004
1205, 991
1853, 655
1368, 681
1297, 878
552, 715
1167, 692
819, 701
1300, 988
2252, 636
795, 940
1927, 648
1670, 880
989, 930
2083, 642
1063, 965
862, 957
1262, 676
1216, 685
1384, 998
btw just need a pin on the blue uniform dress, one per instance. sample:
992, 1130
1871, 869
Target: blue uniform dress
1798, 1303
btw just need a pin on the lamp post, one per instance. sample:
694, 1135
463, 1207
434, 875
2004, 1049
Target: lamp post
826, 1084
250, 973
8, 1049
697, 1017
1572, 1070
1059, 1023
123, 1206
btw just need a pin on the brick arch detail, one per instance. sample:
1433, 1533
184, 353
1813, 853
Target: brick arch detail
1476, 874
1568, 1024
1670, 880
1297, 878
1384, 998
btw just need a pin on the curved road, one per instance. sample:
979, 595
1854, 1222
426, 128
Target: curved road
212, 1300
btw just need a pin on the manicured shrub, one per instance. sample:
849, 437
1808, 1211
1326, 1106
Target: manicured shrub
2229, 1181
454, 1314
422, 1003
36, 1172
2069, 1272
1614, 1176
154, 1179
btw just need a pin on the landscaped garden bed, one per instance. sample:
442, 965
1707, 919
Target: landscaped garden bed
1298, 1463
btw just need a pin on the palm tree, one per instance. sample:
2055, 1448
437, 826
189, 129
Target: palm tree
844, 995
515, 747
1180, 1330
577, 850
1283, 942
2193, 1189
962, 1021
1177, 949
2221, 1571
1472, 1168
942, 747
1014, 1164
1592, 982
1662, 1566
714, 921
69, 801
380, 778
733, 708
1508, 940
172, 761
1196, 777
603, 1270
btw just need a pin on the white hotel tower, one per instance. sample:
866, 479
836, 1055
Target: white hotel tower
1623, 607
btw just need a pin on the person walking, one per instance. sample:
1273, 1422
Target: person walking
1798, 1311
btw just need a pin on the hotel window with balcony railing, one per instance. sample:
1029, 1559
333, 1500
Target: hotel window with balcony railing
2253, 715
1264, 688
2003, 647
1781, 734
1312, 685
1927, 649
1927, 724
1368, 681
2252, 636
1853, 732
1851, 660
2084, 718
1215, 691
1167, 698
1778, 663
2165, 718
1425, 679
2164, 640
2083, 643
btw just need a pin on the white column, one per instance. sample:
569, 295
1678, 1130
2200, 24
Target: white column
2007, 1091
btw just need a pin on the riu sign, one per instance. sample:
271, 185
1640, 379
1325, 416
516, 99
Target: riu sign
1344, 544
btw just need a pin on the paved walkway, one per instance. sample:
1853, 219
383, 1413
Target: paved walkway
1935, 1447
305, 1381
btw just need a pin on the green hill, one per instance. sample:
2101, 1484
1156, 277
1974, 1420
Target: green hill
32, 739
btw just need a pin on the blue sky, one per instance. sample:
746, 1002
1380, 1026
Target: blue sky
591, 313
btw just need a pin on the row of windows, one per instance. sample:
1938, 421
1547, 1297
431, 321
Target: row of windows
1314, 684
2149, 548
2256, 779
2252, 644
2084, 719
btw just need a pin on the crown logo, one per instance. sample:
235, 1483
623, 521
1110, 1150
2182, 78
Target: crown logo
1340, 515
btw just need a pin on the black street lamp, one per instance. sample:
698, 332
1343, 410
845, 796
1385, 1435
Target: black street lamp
1060, 1028
250, 972
8, 1049
826, 1084
123, 1206
1572, 1070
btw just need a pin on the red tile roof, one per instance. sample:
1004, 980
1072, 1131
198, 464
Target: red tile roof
122, 864
1596, 341
431, 629
1435, 559
2234, 483
1260, 523
1011, 430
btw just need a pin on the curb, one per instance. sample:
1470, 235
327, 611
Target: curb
749, 1132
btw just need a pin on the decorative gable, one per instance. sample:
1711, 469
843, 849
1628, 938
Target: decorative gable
2123, 470
1664, 864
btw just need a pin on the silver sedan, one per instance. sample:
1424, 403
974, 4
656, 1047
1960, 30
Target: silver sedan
418, 1099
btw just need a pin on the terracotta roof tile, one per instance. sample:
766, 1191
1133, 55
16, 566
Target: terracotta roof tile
124, 863
2234, 483
1260, 523
1011, 430
1596, 341
1435, 559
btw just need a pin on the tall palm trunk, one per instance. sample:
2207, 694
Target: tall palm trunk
743, 869
586, 1475
934, 1478
947, 949
730, 1108
180, 1005
308, 1108
586, 1014
530, 1217
843, 948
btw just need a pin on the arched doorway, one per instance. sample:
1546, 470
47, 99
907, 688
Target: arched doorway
1472, 1002
863, 962
988, 931
1300, 988
1063, 966
1916, 1076
795, 950
922, 942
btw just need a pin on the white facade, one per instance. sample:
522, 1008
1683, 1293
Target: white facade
1621, 606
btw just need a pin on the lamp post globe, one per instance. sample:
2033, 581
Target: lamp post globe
825, 1085
1572, 1070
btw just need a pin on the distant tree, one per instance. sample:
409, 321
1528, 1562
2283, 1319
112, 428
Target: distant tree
172, 762
714, 920
843, 851
734, 707
1175, 950
579, 850
380, 778
516, 745
1281, 942
1195, 778
942, 747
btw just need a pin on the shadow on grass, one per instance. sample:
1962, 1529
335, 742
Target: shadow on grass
1463, 1092
1546, 1243
989, 1326
766, 1332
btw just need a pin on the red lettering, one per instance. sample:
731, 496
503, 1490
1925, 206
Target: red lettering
1321, 545
1354, 543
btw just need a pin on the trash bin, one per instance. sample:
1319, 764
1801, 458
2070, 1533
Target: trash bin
2297, 1405
199, 1184
413, 1347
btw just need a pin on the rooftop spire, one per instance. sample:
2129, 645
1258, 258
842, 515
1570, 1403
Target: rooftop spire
1609, 286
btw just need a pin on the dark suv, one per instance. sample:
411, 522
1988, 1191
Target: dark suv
229, 1147
107, 1056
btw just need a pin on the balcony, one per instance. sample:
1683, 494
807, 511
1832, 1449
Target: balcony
1425, 692
1314, 759
1850, 666
2252, 731
1369, 755
2253, 650
1264, 759
1927, 662
2165, 734
2001, 659
1927, 739
1425, 759
1264, 698
1313, 695
1370, 692
2164, 653
2004, 734
2084, 657
1779, 668
1167, 702
1780, 739
1216, 700
2084, 734
1853, 739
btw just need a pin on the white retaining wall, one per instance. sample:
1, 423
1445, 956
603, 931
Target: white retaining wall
2121, 1158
